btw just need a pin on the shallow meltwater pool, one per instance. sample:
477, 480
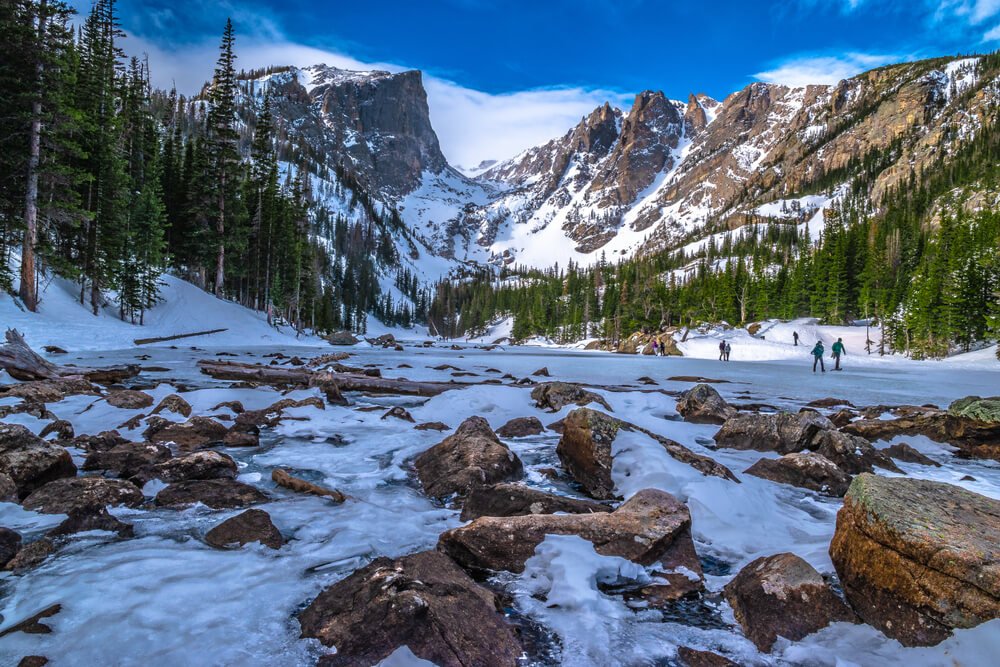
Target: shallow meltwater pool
166, 597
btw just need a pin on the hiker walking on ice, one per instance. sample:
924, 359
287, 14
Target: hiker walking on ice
838, 349
795, 338
722, 350
726, 351
817, 353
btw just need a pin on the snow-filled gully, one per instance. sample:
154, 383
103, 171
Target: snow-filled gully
165, 597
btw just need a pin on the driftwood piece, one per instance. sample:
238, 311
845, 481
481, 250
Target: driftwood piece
301, 376
163, 339
23, 363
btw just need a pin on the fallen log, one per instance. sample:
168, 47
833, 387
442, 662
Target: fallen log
301, 376
23, 363
163, 339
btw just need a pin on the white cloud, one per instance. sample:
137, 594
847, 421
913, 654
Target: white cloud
472, 125
992, 35
806, 70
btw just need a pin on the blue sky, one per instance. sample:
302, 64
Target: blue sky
503, 75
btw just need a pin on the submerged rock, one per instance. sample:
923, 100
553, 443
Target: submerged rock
518, 500
521, 427
30, 461
702, 404
215, 493
783, 596
918, 558
422, 601
75, 494
554, 396
652, 528
807, 470
250, 526
83, 520
472, 456
283, 478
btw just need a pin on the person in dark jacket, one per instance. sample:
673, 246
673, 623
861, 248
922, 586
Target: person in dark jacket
795, 338
817, 353
722, 350
838, 349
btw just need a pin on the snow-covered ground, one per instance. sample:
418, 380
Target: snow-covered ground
166, 598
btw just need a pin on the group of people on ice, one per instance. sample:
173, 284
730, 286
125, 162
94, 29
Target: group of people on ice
837, 350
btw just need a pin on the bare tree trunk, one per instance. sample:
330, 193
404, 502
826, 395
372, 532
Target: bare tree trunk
28, 292
220, 227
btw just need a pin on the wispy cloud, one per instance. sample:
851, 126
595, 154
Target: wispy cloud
804, 70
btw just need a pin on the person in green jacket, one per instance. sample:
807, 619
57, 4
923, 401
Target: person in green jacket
817, 353
838, 349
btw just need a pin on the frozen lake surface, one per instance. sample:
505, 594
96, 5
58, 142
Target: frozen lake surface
167, 598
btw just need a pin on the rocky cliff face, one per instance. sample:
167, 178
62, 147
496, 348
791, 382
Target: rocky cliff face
658, 175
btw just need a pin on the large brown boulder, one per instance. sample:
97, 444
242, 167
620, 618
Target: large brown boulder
783, 433
807, 470
206, 464
518, 500
342, 338
918, 558
652, 528
89, 518
250, 526
470, 457
783, 596
554, 396
30, 461
851, 453
702, 404
423, 601
129, 399
195, 433
215, 493
521, 427
585, 451
73, 494
127, 459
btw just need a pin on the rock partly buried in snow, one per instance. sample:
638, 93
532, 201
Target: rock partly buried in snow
342, 338
783, 596
585, 451
807, 470
521, 427
851, 453
702, 404
554, 396
49, 391
917, 558
206, 464
974, 438
250, 526
195, 433
129, 399
63, 496
242, 435
422, 601
31, 554
127, 459
173, 403
62, 429
904, 452
519, 500
432, 426
783, 433
215, 493
652, 528
10, 544
30, 461
470, 457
